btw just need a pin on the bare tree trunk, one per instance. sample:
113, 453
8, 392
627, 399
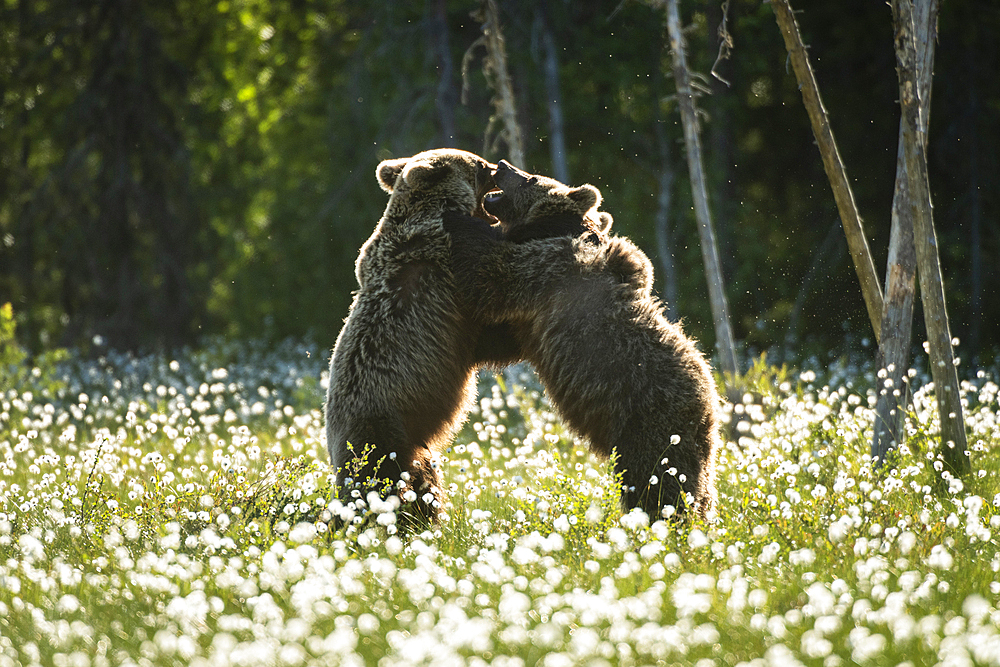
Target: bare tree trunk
849, 217
709, 249
664, 200
553, 98
446, 97
504, 100
954, 444
901, 270
897, 321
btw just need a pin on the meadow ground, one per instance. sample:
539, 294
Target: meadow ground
159, 511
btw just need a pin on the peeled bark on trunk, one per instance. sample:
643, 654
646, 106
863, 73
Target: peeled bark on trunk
504, 100
853, 229
706, 231
954, 443
901, 270
897, 323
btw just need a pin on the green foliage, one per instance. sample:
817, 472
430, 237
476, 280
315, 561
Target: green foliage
180, 169
14, 370
765, 379
11, 354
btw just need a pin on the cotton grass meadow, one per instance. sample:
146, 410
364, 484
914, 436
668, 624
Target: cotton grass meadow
176, 511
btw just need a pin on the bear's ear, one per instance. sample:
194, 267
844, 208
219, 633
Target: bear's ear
387, 171
425, 174
587, 196
604, 221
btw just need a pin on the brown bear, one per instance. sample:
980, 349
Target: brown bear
579, 304
402, 376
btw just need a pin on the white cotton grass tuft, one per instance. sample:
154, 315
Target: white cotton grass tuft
199, 488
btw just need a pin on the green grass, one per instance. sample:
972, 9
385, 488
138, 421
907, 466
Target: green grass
161, 512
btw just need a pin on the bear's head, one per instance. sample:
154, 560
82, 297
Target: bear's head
440, 177
530, 206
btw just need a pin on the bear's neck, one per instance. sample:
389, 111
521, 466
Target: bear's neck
550, 226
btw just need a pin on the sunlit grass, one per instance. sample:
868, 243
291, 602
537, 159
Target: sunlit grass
177, 511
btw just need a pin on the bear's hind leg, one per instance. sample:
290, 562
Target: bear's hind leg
368, 457
651, 491
423, 492
650, 480
392, 465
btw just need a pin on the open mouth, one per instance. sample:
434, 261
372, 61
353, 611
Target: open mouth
488, 201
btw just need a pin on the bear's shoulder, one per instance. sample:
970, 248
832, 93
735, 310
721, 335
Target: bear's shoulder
624, 258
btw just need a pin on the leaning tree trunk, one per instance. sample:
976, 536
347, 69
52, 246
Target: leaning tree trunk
849, 217
954, 444
709, 248
901, 270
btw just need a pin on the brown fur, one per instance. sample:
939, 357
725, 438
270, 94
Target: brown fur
402, 376
617, 371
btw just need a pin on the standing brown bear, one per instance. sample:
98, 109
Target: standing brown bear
617, 371
402, 376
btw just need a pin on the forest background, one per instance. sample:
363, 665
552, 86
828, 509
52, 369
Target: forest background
183, 168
